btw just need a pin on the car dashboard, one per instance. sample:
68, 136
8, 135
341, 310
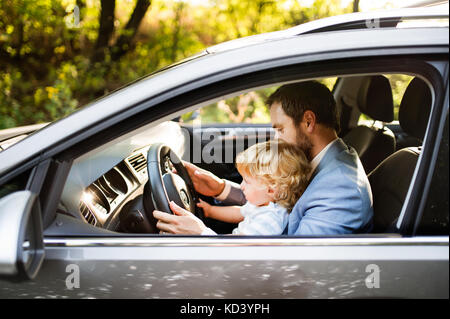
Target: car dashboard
103, 183
107, 195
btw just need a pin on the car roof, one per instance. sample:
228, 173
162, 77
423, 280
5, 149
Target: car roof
199, 69
350, 21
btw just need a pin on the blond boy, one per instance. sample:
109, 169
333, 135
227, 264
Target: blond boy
275, 174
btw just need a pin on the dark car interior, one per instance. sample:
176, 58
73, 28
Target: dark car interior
390, 180
373, 144
390, 159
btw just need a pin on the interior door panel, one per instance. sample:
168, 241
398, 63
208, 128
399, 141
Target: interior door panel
227, 140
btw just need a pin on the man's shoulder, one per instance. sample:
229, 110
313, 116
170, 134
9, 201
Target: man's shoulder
339, 154
342, 172
338, 198
345, 164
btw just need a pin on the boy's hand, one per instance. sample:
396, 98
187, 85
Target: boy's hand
206, 207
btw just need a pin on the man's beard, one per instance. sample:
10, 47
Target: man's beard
304, 142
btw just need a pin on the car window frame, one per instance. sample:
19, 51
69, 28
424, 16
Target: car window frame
442, 130
317, 65
421, 68
417, 194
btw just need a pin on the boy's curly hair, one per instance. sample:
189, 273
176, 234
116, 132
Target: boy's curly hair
280, 165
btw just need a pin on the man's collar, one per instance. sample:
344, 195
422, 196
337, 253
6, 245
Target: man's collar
316, 160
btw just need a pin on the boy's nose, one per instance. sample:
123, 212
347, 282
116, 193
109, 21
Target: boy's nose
276, 136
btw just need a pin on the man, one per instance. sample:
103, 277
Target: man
338, 199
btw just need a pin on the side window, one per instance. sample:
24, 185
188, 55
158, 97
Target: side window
399, 83
435, 216
249, 107
18, 183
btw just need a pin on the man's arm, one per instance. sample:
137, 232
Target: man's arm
208, 184
232, 194
205, 183
184, 222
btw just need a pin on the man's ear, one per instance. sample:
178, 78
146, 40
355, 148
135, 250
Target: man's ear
309, 120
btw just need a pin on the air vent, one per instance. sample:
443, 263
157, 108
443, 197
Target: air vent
87, 214
138, 162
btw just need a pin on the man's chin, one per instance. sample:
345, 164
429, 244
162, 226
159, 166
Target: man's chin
306, 146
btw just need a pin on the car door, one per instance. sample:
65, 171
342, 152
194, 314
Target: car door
23, 203
192, 267
126, 265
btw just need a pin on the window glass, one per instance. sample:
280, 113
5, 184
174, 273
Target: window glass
248, 108
16, 184
435, 215
399, 83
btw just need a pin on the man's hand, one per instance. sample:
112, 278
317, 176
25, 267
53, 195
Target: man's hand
182, 222
205, 183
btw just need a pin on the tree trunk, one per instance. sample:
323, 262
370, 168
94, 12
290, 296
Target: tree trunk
124, 42
355, 5
176, 32
105, 30
82, 6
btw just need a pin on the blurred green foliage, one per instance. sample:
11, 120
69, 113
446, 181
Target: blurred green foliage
399, 83
47, 64
245, 108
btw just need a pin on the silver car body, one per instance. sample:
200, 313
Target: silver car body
120, 266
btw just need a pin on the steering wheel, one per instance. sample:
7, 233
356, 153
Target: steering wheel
165, 186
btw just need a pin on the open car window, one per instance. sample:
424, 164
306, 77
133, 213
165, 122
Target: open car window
105, 188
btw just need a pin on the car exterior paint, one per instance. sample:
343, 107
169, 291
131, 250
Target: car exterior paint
371, 266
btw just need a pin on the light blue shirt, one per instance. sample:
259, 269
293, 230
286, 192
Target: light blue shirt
262, 220
338, 199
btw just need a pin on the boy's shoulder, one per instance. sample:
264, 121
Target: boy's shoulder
271, 208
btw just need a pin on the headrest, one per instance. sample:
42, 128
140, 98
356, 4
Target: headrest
415, 108
375, 98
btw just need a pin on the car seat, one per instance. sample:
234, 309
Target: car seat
390, 180
373, 144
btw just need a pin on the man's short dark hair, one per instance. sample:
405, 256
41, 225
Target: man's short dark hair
296, 98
